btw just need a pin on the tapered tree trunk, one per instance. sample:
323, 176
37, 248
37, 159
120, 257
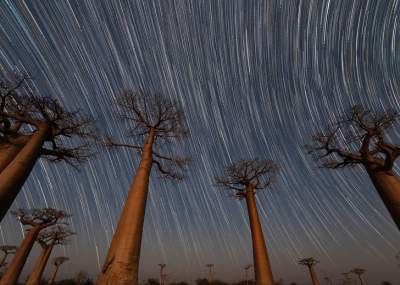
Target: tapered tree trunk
13, 271
53, 276
8, 151
388, 186
361, 279
7, 154
122, 263
13, 177
38, 269
262, 267
313, 275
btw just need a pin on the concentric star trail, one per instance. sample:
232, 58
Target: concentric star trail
255, 79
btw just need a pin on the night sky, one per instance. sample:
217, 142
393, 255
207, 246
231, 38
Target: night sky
255, 79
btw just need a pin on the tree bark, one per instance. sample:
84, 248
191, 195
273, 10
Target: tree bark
13, 177
313, 275
262, 267
37, 272
8, 151
122, 263
388, 186
53, 277
13, 271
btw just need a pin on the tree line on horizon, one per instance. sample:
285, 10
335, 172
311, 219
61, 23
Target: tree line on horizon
34, 127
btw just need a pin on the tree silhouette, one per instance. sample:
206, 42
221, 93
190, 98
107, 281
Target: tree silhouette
245, 178
162, 275
32, 127
361, 138
157, 122
359, 272
36, 220
57, 262
47, 239
11, 140
310, 262
7, 250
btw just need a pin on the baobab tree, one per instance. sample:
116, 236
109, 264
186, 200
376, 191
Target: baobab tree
7, 250
359, 272
155, 122
47, 239
11, 139
310, 262
57, 262
361, 138
246, 178
36, 220
210, 267
162, 266
33, 127
246, 273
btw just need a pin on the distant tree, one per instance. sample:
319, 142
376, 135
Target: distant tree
359, 272
179, 283
57, 262
152, 281
81, 278
310, 262
202, 281
47, 239
36, 220
360, 138
7, 250
32, 127
245, 179
158, 121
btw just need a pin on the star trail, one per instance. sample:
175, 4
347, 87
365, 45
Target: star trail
255, 79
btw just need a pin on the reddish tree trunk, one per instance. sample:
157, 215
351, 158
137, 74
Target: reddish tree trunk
122, 263
388, 186
262, 267
8, 151
313, 275
13, 271
38, 269
13, 177
53, 276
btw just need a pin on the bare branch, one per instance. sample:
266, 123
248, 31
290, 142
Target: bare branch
43, 218
254, 173
54, 236
357, 138
150, 111
309, 261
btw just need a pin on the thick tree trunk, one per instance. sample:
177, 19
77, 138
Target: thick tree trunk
313, 275
38, 269
122, 263
13, 177
13, 271
8, 151
262, 267
388, 186
53, 276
